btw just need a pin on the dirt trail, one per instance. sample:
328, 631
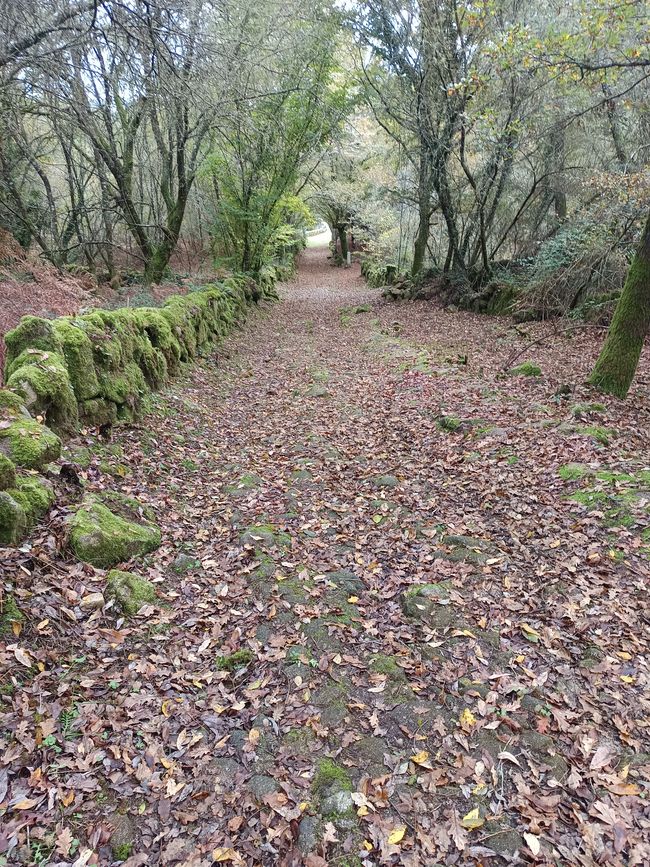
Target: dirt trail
386, 634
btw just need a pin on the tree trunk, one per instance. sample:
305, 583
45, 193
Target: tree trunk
156, 264
424, 214
618, 360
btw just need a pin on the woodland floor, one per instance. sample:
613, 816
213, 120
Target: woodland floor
307, 487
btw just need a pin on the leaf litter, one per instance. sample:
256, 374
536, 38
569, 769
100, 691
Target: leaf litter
377, 639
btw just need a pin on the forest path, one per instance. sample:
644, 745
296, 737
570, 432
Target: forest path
386, 635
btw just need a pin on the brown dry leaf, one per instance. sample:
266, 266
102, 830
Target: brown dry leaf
64, 841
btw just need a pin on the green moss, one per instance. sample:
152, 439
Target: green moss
526, 369
13, 520
573, 472
7, 473
122, 851
125, 386
105, 537
300, 741
382, 664
233, 661
42, 381
9, 613
79, 455
78, 354
330, 775
29, 444
32, 332
581, 409
448, 423
160, 334
614, 478
98, 412
600, 434
35, 495
129, 591
591, 499
11, 406
618, 360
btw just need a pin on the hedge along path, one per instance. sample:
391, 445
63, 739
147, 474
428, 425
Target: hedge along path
358, 652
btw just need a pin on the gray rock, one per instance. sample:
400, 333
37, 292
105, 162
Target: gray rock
308, 834
261, 785
337, 803
346, 580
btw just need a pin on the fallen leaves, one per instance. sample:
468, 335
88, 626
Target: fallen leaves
472, 820
520, 682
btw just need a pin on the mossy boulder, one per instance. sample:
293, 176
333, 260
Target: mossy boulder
109, 529
11, 406
22, 505
527, 368
41, 380
28, 444
160, 334
98, 412
32, 332
129, 591
13, 521
7, 473
78, 353
34, 495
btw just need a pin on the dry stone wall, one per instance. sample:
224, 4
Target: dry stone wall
93, 370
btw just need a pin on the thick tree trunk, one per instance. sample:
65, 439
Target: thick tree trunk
156, 264
618, 360
343, 235
424, 214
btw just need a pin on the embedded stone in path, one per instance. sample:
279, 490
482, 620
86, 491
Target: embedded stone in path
107, 529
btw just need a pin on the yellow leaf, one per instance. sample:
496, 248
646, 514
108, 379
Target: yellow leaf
16, 627
25, 804
420, 758
302, 806
472, 820
367, 845
467, 718
626, 678
623, 655
255, 685
224, 855
363, 810
530, 633
67, 799
623, 789
166, 711
479, 789
397, 835
353, 598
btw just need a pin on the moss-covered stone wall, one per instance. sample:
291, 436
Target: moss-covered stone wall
94, 369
